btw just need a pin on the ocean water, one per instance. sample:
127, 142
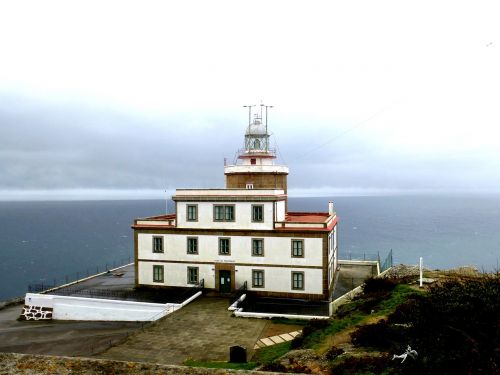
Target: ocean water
43, 241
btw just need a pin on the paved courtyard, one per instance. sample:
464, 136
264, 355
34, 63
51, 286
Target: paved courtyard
203, 330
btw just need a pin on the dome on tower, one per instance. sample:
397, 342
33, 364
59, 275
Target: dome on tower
256, 128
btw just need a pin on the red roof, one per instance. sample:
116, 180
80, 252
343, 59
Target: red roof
290, 217
307, 217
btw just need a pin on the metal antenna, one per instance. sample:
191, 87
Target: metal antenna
249, 112
261, 105
267, 106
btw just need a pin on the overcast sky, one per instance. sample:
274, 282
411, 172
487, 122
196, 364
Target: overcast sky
127, 99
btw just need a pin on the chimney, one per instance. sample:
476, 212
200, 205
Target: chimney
330, 208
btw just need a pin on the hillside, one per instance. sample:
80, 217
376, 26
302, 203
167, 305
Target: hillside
453, 323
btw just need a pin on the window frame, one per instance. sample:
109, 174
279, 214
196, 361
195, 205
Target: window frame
224, 208
296, 240
162, 241
162, 273
189, 281
303, 280
195, 206
254, 285
229, 245
253, 248
196, 252
262, 213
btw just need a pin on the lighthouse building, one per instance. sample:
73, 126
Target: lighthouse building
241, 235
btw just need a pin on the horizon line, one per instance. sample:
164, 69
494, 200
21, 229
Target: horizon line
161, 194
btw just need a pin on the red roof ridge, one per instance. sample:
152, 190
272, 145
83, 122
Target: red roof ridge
299, 213
159, 217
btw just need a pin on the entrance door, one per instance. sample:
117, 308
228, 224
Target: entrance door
225, 281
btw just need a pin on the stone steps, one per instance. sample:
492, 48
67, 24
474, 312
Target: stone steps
278, 339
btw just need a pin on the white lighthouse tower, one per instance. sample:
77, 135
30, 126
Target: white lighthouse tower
255, 167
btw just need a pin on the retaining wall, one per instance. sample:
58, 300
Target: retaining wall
12, 363
79, 308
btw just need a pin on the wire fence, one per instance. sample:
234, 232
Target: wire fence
387, 263
50, 283
384, 265
360, 256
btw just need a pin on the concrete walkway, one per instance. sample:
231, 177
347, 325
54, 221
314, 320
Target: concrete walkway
203, 330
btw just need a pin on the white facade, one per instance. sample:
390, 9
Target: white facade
242, 220
275, 261
235, 237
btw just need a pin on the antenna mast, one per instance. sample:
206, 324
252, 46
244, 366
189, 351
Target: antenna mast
267, 106
249, 112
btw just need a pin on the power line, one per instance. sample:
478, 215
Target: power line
277, 148
336, 137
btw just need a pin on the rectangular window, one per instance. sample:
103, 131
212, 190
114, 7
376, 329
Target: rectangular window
158, 274
192, 212
258, 278
257, 247
157, 244
298, 248
229, 213
224, 246
224, 213
192, 275
257, 213
298, 280
192, 245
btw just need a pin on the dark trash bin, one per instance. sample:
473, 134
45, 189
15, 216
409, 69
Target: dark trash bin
237, 354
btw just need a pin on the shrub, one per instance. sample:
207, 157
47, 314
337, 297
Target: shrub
333, 353
380, 335
273, 367
456, 327
363, 365
379, 285
368, 304
406, 312
297, 342
312, 326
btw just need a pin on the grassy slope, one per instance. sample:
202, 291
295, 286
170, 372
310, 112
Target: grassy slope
319, 340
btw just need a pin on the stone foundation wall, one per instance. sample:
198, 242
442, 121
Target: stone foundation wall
36, 313
13, 363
